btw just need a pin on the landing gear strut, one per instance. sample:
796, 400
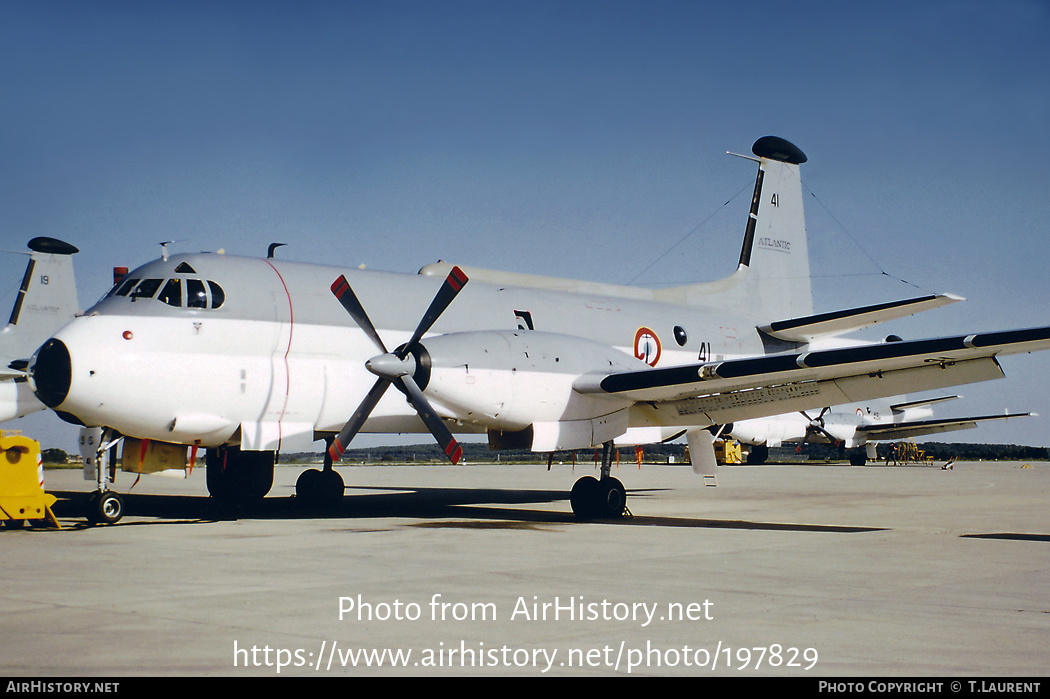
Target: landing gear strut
324, 487
104, 506
606, 498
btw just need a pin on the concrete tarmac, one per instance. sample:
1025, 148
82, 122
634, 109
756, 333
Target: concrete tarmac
802, 571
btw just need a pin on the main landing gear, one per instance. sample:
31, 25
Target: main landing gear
606, 498
323, 488
238, 477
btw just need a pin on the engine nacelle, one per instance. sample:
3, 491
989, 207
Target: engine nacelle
514, 379
771, 432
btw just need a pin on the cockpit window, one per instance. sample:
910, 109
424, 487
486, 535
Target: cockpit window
217, 294
126, 287
196, 297
171, 294
146, 289
178, 292
184, 268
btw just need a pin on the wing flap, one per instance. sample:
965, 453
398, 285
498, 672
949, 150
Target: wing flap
733, 406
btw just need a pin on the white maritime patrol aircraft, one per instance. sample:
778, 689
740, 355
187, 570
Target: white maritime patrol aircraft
857, 427
46, 300
248, 357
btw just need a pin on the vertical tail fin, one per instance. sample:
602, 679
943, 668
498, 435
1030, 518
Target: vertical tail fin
772, 280
47, 299
775, 246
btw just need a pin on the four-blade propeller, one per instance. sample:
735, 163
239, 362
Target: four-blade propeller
398, 367
816, 426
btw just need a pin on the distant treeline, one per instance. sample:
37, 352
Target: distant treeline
652, 453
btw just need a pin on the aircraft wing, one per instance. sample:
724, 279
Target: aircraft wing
753, 387
916, 428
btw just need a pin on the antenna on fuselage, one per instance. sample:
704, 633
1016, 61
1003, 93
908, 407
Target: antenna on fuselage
164, 248
270, 250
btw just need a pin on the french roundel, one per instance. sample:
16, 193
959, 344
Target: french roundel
647, 346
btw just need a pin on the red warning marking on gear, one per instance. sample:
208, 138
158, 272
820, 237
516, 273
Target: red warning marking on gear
647, 346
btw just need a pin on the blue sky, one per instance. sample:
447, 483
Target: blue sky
580, 139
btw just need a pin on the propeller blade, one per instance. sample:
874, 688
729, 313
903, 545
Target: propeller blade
391, 367
831, 438
353, 425
454, 283
798, 449
347, 297
433, 421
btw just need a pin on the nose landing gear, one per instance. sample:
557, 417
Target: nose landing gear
99, 449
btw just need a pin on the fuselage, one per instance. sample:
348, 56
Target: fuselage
202, 348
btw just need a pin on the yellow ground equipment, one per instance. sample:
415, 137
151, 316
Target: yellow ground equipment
22, 496
904, 453
727, 451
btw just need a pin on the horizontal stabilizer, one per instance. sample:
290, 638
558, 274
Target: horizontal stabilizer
901, 407
837, 322
906, 430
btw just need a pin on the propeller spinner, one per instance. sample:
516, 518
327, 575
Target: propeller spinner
398, 367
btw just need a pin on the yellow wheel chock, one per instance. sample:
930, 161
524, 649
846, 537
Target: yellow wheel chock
22, 496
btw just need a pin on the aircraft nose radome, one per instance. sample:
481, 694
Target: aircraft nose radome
52, 373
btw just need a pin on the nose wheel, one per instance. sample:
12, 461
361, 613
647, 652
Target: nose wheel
605, 498
105, 508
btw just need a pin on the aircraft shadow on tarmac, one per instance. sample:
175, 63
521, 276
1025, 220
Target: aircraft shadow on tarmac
472, 508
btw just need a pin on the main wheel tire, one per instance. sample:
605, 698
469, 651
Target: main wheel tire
308, 485
583, 497
332, 487
758, 454
239, 477
612, 499
315, 487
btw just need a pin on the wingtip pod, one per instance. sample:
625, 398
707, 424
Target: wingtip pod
52, 246
776, 148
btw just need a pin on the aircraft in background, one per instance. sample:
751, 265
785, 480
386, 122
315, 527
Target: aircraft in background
856, 427
249, 357
46, 300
